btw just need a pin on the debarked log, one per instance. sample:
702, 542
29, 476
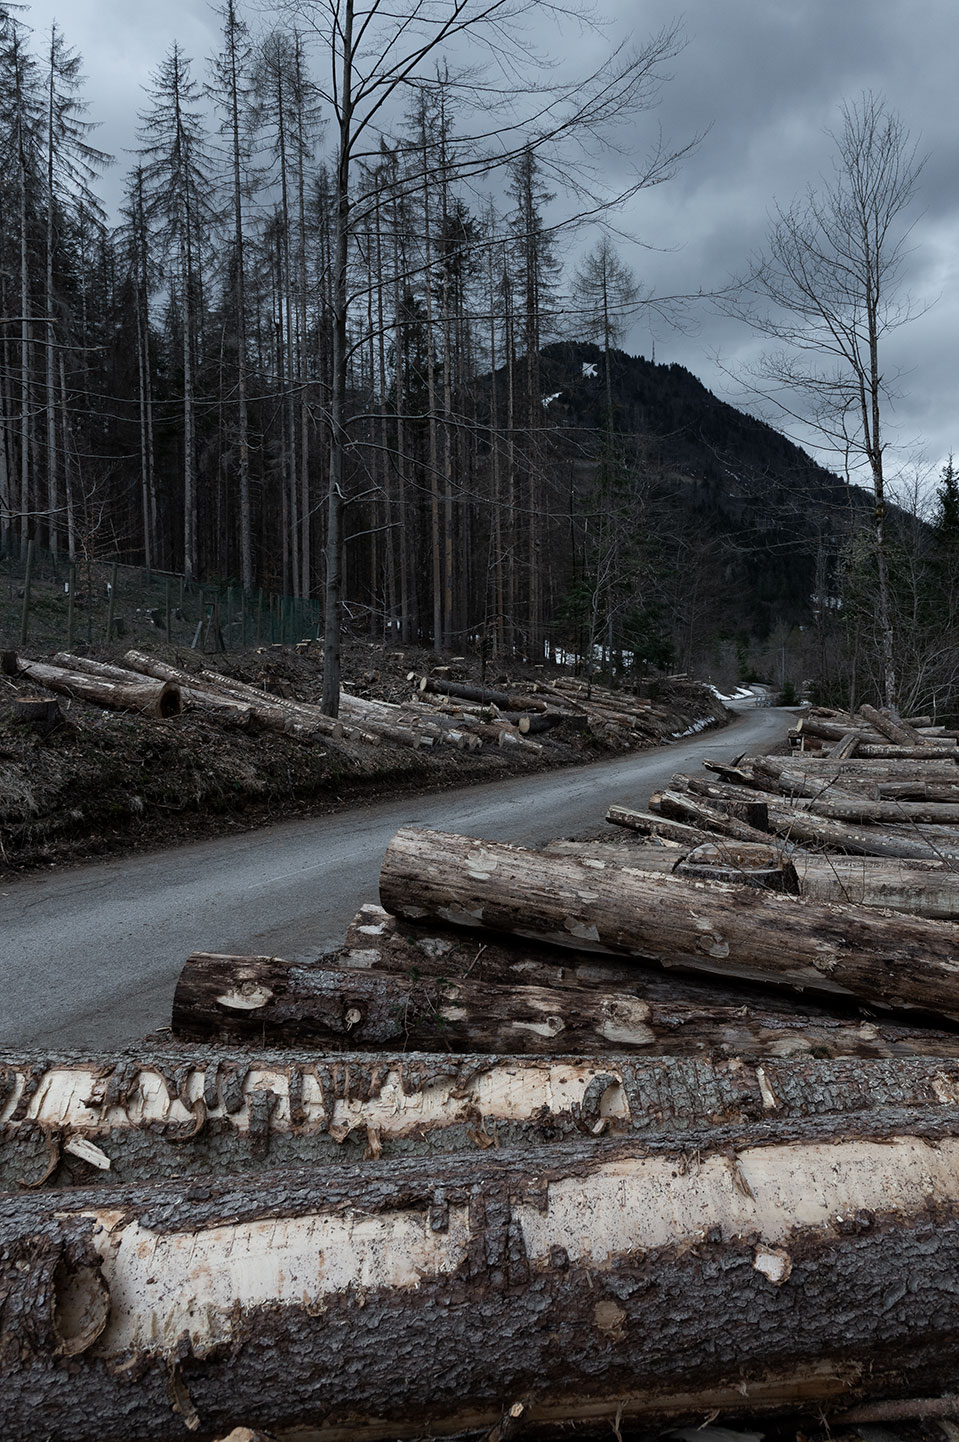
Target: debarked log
72, 1120
738, 1268
895, 960
153, 698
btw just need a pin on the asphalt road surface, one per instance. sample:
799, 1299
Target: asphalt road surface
89, 956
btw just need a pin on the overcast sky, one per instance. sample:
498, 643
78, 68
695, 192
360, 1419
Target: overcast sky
763, 81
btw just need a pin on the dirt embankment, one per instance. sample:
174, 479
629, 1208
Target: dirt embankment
102, 781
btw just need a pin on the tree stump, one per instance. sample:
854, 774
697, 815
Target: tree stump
742, 863
39, 713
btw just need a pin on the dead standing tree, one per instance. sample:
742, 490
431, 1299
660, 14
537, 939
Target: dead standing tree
377, 51
828, 290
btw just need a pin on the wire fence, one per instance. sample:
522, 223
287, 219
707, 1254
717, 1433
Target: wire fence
49, 602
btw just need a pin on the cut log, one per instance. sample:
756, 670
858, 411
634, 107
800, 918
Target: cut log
740, 864
714, 816
824, 728
943, 750
151, 697
917, 791
592, 1285
690, 1014
895, 960
281, 1002
817, 796
506, 700
662, 856
938, 767
922, 888
649, 824
302, 718
848, 746
502, 735
221, 708
75, 1121
899, 731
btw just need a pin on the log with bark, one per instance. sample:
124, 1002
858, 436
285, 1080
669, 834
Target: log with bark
73, 1120
647, 823
219, 707
483, 694
151, 697
798, 827
690, 1015
939, 767
820, 796
899, 731
894, 960
301, 718
742, 1268
237, 997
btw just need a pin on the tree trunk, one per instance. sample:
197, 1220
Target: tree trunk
648, 824
154, 698
899, 731
688, 1014
282, 1002
799, 827
936, 768
894, 960
236, 713
592, 1284
482, 694
192, 1113
714, 816
922, 888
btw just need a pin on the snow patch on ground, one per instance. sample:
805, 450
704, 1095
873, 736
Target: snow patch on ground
702, 725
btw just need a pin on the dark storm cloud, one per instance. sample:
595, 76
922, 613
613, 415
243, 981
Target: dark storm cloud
763, 82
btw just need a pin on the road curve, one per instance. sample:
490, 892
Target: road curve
89, 956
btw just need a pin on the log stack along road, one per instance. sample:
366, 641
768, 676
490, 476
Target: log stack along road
90, 955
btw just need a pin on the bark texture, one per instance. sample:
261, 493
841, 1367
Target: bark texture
153, 698
897, 961
787, 1263
68, 1121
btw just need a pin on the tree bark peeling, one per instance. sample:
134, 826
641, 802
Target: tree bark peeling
795, 1263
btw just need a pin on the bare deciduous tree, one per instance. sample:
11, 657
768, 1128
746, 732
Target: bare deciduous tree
829, 290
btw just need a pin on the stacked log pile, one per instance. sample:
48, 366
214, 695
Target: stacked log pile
608, 1135
437, 712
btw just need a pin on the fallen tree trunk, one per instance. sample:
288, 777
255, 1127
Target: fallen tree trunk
482, 694
235, 997
222, 708
691, 1014
647, 1281
899, 731
152, 698
938, 767
719, 815
899, 960
649, 824
301, 717
922, 888
940, 750
264, 709
817, 796
330, 1006
76, 1121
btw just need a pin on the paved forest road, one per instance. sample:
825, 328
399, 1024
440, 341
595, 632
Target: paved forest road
89, 956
